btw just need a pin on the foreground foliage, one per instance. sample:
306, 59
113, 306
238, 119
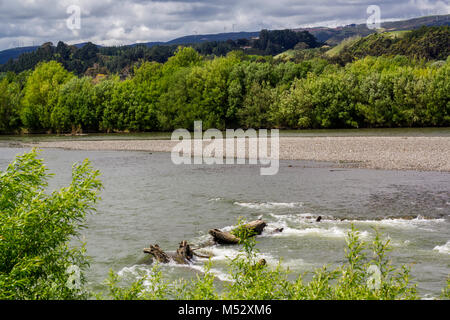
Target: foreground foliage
36, 261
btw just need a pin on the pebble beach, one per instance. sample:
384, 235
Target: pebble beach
391, 153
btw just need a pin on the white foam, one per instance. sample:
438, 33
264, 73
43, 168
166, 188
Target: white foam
216, 272
418, 222
295, 263
225, 253
333, 232
444, 248
136, 271
302, 218
428, 297
216, 199
269, 205
307, 218
220, 253
304, 225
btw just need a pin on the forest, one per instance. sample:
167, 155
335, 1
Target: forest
391, 87
82, 58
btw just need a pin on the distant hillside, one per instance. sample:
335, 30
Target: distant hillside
90, 59
214, 37
331, 36
334, 36
87, 58
14, 53
5, 55
430, 43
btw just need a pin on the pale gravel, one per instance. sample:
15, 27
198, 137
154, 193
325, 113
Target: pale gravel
397, 153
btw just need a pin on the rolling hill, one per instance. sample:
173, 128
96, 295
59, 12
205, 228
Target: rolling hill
331, 36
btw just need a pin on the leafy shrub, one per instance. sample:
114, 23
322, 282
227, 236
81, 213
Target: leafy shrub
36, 261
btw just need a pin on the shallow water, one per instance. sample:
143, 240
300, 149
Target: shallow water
147, 199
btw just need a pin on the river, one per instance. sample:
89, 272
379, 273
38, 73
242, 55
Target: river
147, 199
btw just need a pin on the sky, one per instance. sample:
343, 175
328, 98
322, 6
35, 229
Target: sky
120, 22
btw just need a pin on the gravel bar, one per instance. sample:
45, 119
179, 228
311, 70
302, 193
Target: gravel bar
392, 153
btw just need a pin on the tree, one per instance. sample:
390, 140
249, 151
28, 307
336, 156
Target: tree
41, 95
10, 95
257, 104
75, 109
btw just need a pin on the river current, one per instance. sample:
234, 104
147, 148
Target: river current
147, 200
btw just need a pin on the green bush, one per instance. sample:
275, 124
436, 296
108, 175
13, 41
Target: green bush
36, 261
41, 95
10, 95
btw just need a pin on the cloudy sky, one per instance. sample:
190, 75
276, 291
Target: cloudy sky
107, 22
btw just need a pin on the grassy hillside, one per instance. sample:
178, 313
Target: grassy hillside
430, 43
334, 36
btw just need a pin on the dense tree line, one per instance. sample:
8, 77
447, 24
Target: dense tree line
236, 90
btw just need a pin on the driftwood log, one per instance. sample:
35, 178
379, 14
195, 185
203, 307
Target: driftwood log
183, 255
225, 237
157, 253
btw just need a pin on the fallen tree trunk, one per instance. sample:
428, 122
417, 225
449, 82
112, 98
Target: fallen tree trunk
184, 253
225, 237
257, 226
157, 252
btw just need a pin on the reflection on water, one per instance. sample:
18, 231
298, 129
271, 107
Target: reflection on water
149, 200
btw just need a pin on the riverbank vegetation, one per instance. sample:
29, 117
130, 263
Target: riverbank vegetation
396, 89
227, 92
37, 262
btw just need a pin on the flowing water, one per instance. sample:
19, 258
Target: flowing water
147, 200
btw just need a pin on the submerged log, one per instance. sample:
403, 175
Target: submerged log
184, 253
157, 252
257, 226
225, 237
